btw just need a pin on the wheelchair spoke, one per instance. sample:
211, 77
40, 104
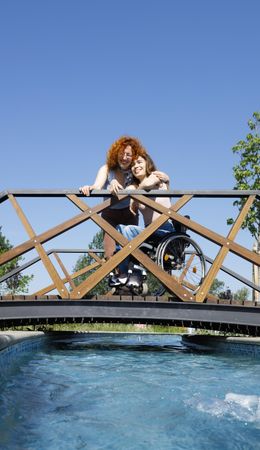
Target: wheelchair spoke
186, 268
181, 257
177, 254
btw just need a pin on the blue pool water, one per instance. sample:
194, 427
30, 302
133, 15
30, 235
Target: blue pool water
129, 392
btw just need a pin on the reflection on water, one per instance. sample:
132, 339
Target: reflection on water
129, 392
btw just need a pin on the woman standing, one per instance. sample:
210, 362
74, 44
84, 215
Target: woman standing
116, 174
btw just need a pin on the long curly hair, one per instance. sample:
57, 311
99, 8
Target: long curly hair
119, 146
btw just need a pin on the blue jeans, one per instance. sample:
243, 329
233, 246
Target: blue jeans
131, 231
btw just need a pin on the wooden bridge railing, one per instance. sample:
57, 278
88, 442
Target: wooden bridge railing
226, 243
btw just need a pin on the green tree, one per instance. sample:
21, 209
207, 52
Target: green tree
242, 294
217, 287
154, 285
17, 283
247, 175
86, 260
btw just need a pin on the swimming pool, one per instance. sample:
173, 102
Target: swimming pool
109, 391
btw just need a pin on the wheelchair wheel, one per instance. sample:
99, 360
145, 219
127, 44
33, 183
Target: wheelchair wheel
182, 258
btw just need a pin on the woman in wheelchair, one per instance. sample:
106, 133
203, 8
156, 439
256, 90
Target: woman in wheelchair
170, 247
145, 177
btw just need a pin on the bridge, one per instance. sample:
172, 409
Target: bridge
68, 298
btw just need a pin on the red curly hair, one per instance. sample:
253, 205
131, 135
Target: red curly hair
119, 146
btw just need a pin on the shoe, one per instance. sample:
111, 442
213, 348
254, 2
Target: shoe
139, 271
122, 278
117, 280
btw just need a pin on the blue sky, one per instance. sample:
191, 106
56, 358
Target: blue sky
183, 76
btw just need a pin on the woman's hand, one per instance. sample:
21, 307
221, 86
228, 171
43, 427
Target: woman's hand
163, 177
115, 187
134, 207
98, 183
86, 190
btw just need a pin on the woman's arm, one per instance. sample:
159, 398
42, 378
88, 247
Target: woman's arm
150, 182
98, 183
155, 181
134, 205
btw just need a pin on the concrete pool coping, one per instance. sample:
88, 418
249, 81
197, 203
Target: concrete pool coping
9, 338
228, 344
242, 345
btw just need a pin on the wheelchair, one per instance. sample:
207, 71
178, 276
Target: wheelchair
176, 253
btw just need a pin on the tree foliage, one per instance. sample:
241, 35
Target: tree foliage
17, 283
154, 285
86, 260
247, 173
241, 294
217, 287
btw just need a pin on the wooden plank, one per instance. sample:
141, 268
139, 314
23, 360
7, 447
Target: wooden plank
64, 270
185, 270
201, 230
40, 250
214, 269
113, 233
96, 258
181, 202
130, 248
116, 259
74, 275
53, 232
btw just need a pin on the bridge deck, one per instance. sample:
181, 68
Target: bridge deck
214, 314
